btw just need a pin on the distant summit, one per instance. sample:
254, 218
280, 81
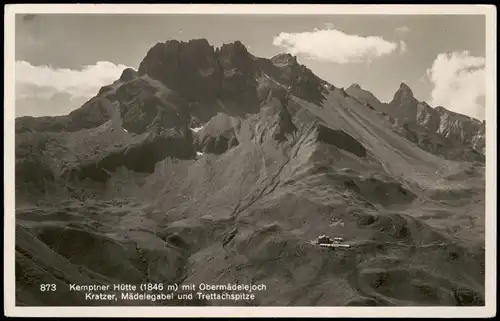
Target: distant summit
405, 89
284, 59
128, 74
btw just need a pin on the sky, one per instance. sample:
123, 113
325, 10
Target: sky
63, 60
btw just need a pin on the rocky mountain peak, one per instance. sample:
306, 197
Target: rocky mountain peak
235, 57
455, 127
404, 86
404, 104
440, 109
236, 48
284, 59
212, 151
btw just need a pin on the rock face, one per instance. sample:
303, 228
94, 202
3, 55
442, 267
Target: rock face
297, 79
141, 103
365, 97
340, 139
461, 128
209, 77
128, 74
218, 135
183, 67
404, 105
277, 104
204, 75
437, 144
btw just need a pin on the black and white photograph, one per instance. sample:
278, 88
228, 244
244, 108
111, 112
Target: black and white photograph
323, 156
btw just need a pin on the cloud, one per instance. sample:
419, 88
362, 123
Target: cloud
44, 90
459, 81
402, 47
402, 29
334, 46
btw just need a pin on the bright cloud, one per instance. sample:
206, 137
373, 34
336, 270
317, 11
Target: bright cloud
334, 46
459, 81
44, 90
402, 47
402, 29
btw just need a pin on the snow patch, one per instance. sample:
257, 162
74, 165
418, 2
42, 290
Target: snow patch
196, 129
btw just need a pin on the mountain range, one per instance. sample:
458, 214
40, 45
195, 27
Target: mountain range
211, 165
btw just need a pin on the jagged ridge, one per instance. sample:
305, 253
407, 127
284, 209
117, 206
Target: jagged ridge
282, 157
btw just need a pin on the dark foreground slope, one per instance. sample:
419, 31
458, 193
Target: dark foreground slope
182, 183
